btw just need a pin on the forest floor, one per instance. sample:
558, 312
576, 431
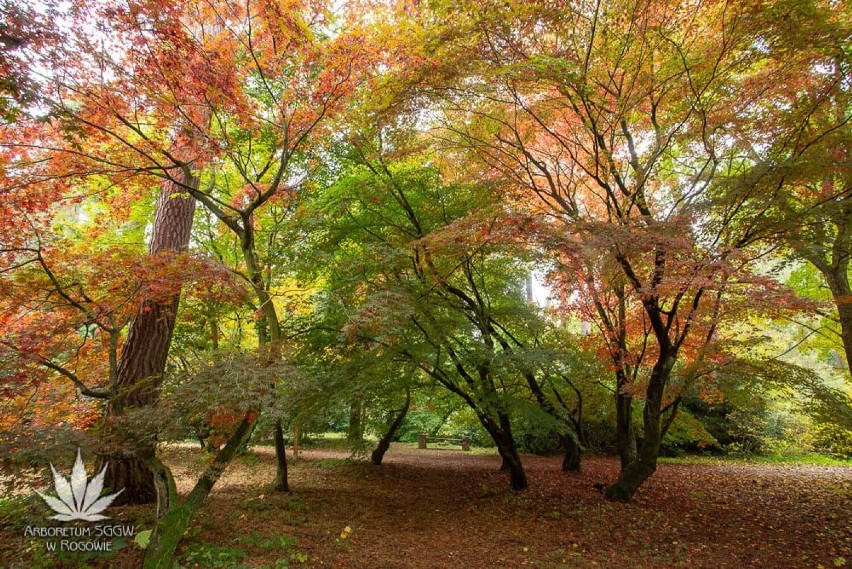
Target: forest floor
449, 508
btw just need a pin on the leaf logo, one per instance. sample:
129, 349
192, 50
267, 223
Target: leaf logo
78, 497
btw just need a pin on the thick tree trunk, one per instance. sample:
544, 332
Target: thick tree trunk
143, 358
635, 473
501, 434
384, 444
844, 308
170, 529
838, 283
632, 477
130, 472
281, 482
512, 463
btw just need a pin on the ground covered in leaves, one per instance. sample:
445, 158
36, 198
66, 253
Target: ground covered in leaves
448, 508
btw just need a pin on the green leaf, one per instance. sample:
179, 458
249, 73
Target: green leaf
143, 538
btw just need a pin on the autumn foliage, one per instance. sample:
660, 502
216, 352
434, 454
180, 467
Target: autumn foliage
587, 225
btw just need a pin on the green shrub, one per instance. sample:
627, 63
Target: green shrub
833, 440
687, 434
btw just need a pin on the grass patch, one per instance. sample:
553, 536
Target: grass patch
331, 462
213, 556
283, 542
795, 459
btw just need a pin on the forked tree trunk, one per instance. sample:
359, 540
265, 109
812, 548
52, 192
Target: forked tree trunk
571, 445
512, 464
635, 473
143, 358
384, 444
268, 337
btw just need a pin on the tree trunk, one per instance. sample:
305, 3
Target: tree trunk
625, 435
296, 438
268, 337
356, 423
281, 482
636, 472
571, 458
202, 433
838, 283
131, 473
143, 358
501, 434
512, 463
169, 531
384, 444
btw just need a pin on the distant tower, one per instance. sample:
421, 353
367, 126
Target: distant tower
529, 288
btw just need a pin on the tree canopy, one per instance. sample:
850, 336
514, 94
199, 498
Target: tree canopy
554, 225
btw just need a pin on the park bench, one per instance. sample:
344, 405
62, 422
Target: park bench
424, 438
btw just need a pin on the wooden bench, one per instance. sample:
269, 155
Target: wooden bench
424, 438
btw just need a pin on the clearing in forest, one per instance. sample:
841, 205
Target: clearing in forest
446, 508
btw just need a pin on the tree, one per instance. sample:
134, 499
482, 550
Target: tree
228, 381
610, 121
797, 172
255, 87
434, 283
21, 27
146, 349
398, 416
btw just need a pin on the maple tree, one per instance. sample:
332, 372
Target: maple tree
615, 119
430, 287
231, 219
796, 169
183, 67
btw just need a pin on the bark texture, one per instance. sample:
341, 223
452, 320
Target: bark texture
501, 434
146, 349
571, 457
838, 282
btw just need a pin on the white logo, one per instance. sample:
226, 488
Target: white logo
78, 498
